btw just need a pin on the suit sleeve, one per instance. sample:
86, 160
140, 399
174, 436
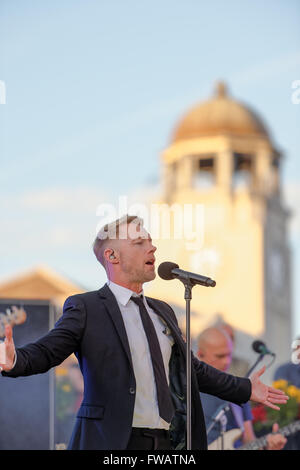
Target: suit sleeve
53, 348
222, 385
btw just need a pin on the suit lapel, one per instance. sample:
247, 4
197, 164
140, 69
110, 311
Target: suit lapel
157, 307
112, 308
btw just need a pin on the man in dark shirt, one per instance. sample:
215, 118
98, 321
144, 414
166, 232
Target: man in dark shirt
215, 348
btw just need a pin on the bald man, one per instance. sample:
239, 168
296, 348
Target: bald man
215, 348
238, 366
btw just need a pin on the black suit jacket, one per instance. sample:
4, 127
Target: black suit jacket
92, 327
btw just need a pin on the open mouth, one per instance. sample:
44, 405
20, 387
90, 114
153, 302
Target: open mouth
150, 263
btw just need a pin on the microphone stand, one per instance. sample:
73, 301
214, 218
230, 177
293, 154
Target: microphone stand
188, 296
220, 417
188, 284
260, 358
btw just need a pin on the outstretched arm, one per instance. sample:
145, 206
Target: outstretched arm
237, 389
51, 349
220, 384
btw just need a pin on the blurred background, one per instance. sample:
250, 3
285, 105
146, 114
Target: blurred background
158, 103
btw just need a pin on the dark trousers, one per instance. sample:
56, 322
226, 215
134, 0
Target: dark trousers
149, 439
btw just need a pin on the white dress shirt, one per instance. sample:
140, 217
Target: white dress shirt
146, 414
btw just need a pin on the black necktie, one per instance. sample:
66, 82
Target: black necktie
165, 405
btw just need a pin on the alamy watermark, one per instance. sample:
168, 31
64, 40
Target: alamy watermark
164, 222
2, 92
295, 98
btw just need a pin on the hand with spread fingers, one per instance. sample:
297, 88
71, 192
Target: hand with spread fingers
7, 353
264, 394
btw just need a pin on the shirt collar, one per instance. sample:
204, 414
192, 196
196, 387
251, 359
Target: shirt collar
121, 293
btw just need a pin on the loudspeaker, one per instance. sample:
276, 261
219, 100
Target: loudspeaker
27, 412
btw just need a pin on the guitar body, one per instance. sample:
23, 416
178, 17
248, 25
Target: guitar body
229, 438
13, 316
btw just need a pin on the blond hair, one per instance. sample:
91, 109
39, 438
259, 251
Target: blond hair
110, 232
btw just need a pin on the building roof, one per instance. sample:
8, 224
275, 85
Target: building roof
220, 115
40, 283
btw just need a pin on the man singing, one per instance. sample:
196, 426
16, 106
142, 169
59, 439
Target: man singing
132, 356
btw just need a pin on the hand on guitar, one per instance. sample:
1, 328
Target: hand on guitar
264, 394
7, 350
275, 441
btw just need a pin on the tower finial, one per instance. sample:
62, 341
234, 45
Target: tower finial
221, 89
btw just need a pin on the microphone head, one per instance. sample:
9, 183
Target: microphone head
258, 346
165, 270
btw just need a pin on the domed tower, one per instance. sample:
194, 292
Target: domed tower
223, 162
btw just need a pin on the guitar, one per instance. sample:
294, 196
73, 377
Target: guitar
13, 316
231, 436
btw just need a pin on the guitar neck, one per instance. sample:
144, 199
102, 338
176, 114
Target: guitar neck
261, 442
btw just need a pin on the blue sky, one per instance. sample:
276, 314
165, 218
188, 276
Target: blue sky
93, 92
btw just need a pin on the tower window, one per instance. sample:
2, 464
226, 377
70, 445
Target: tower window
275, 162
206, 164
243, 167
174, 175
204, 175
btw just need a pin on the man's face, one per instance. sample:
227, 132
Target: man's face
136, 251
218, 355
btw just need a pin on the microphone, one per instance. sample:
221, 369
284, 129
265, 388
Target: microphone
260, 348
168, 271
